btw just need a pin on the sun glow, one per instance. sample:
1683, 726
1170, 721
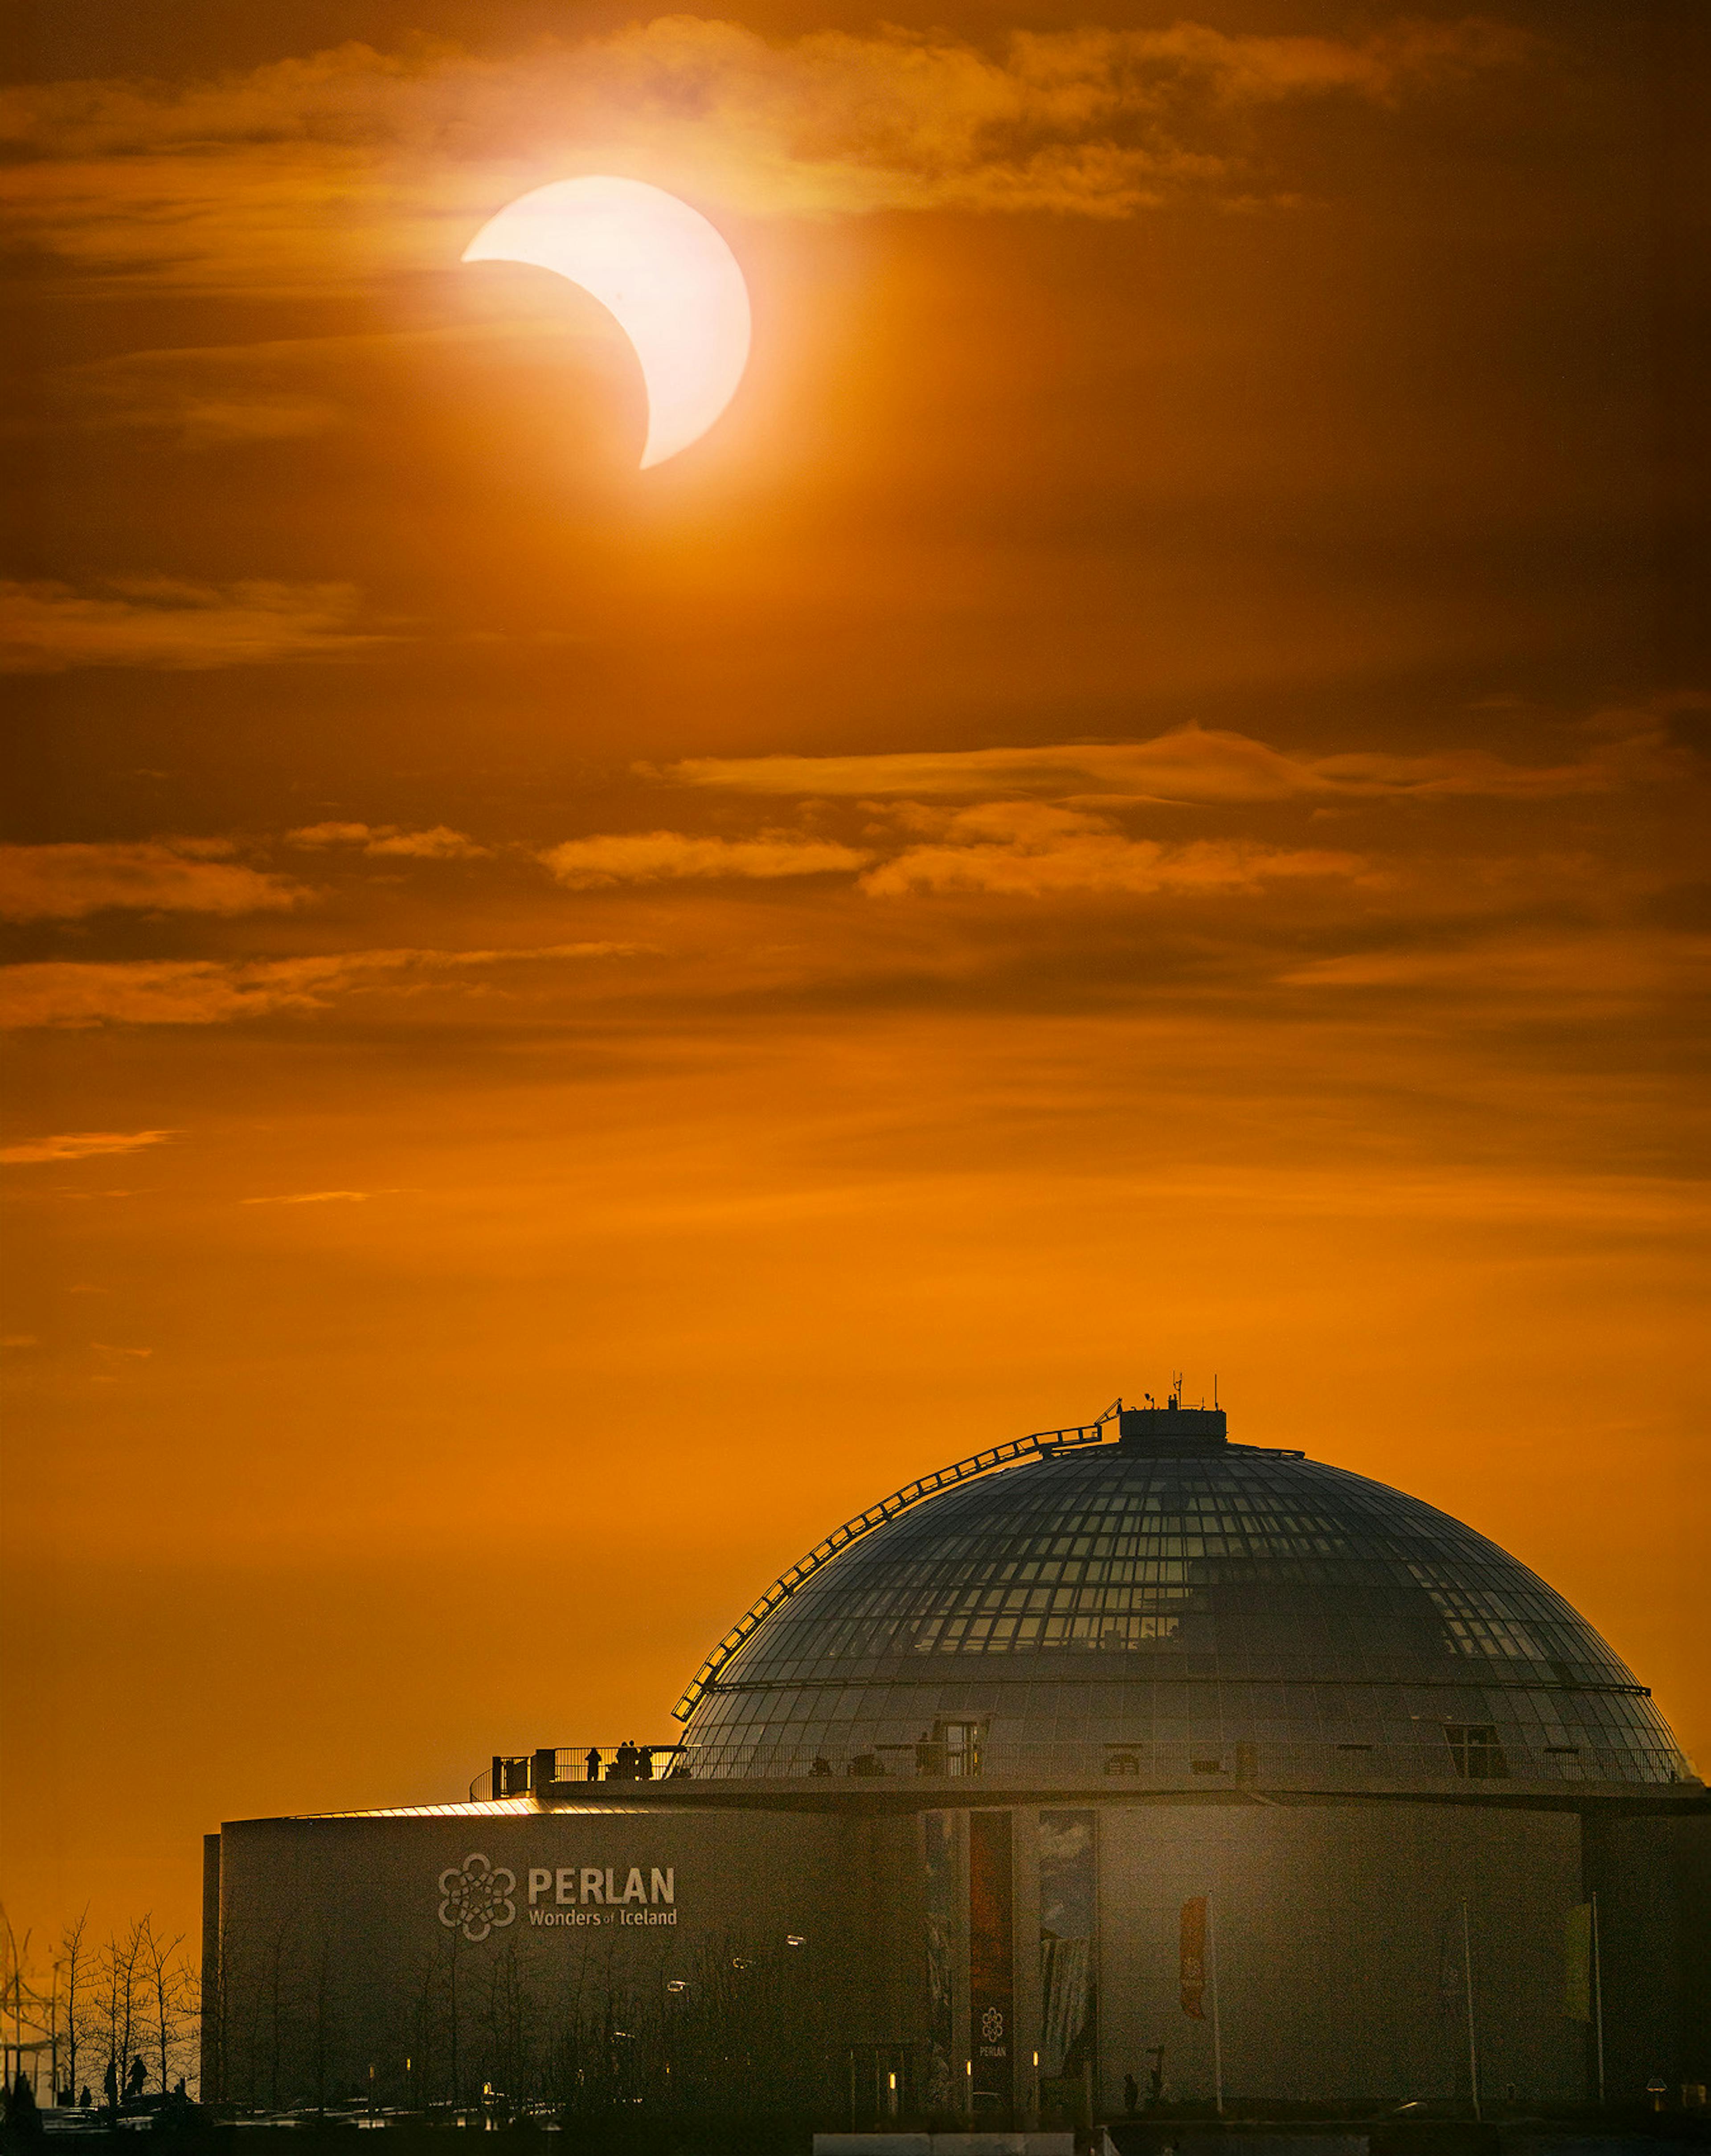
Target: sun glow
661, 269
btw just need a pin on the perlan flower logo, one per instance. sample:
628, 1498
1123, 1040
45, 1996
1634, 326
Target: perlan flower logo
476, 1899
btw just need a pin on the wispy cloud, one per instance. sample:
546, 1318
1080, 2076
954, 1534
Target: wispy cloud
211, 992
83, 1145
661, 856
183, 628
205, 397
440, 844
204, 184
116, 1361
169, 876
1504, 972
316, 1197
1027, 850
1189, 763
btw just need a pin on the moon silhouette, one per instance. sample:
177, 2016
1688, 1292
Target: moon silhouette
661, 269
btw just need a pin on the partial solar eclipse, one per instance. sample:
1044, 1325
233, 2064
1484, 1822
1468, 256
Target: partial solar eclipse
661, 269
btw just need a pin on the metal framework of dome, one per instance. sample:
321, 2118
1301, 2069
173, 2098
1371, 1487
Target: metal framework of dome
875, 1515
1172, 1608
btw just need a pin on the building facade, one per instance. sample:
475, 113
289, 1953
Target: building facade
1117, 1751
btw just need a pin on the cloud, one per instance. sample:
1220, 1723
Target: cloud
83, 1145
212, 992
660, 856
206, 182
441, 843
183, 628
206, 397
1026, 850
314, 1198
1189, 763
115, 1360
170, 876
1504, 971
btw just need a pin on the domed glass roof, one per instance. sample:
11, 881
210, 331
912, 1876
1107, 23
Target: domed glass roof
1187, 1615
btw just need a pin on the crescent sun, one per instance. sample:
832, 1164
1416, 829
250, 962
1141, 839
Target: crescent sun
661, 269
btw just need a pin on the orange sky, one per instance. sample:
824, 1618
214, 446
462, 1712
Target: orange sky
1137, 803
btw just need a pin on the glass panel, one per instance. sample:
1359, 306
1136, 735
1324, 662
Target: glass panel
1068, 1984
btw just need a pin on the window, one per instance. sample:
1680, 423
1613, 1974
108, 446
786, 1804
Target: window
961, 1746
1474, 1748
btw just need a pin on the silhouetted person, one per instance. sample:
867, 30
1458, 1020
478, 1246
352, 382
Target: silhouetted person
1131, 2095
1155, 2082
139, 2075
22, 2119
594, 1764
110, 2083
86, 2101
645, 1763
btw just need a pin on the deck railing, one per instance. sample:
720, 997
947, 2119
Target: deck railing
1458, 1757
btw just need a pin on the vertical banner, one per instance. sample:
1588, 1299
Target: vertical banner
1194, 1957
991, 1961
1577, 1963
941, 2093
1068, 1993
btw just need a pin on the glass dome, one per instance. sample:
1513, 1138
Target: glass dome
1191, 1616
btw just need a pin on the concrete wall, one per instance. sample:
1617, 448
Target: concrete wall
1338, 1948
1337, 1929
334, 1959
1652, 1877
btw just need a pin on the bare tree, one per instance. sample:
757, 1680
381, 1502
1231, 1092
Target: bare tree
424, 2062
75, 1961
117, 2007
167, 1989
18, 1994
507, 2023
238, 2025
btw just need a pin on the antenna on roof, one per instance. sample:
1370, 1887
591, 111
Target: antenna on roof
1215, 1388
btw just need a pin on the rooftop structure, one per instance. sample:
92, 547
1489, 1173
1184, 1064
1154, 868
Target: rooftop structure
1178, 1609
